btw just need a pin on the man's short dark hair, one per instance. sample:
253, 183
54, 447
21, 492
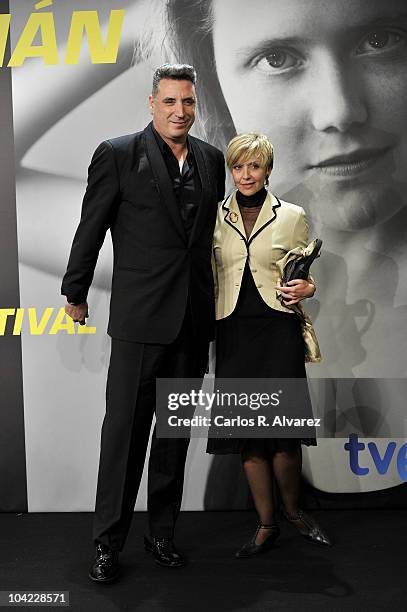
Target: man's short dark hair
179, 72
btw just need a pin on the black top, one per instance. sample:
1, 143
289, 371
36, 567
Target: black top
186, 184
256, 199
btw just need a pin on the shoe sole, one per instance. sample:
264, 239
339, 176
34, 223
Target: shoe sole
256, 554
105, 580
261, 552
170, 566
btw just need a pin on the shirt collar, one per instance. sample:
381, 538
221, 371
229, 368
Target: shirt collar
165, 149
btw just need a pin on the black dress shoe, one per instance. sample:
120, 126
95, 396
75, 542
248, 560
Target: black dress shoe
308, 527
251, 548
106, 565
164, 552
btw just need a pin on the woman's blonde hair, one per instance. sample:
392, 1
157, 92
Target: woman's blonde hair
250, 145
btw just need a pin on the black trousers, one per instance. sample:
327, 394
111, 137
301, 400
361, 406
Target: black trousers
130, 405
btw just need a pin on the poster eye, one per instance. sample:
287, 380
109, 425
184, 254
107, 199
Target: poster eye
381, 39
277, 60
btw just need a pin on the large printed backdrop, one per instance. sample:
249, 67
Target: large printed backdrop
333, 104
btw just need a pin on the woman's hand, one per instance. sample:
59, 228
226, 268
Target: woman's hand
295, 291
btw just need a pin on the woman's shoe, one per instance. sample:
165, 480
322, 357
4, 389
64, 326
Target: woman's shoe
251, 548
308, 527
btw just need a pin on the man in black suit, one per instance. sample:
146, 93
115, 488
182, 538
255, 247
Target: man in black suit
157, 192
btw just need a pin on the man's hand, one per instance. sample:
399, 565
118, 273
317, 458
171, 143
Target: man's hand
295, 291
77, 312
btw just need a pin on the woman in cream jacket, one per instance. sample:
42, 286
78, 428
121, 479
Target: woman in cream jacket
262, 330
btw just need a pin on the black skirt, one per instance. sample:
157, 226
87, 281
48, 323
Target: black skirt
256, 341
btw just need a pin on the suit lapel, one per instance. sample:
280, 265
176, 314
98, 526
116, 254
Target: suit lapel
203, 207
163, 181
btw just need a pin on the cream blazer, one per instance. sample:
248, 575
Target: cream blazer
279, 228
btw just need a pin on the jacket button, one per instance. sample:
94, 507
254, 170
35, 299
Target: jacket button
237, 285
258, 286
254, 271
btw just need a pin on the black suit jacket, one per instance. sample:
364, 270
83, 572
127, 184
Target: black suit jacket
156, 267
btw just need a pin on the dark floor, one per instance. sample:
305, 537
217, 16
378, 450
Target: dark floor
366, 569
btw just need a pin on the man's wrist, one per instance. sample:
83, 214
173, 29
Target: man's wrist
75, 301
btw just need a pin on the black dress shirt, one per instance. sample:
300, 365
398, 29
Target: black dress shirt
186, 184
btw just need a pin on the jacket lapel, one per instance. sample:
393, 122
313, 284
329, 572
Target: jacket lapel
266, 216
162, 180
233, 216
203, 207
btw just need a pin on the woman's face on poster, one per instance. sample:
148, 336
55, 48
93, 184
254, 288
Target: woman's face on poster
326, 81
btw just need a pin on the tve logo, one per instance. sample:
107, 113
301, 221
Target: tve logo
381, 462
